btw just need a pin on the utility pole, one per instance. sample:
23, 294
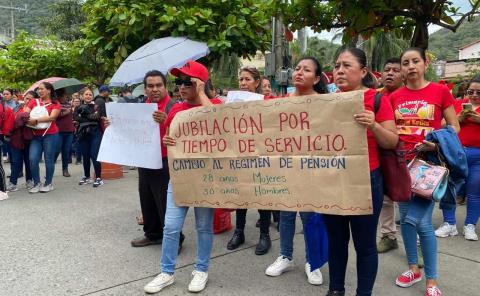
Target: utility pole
12, 14
302, 38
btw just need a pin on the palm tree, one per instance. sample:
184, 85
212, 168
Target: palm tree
382, 46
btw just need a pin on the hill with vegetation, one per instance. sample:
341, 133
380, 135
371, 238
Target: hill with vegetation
29, 21
444, 44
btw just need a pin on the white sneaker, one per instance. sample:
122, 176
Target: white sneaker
46, 188
35, 189
198, 282
281, 265
469, 232
29, 184
3, 195
446, 230
159, 282
314, 277
12, 187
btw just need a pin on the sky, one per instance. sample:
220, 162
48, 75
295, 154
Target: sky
463, 4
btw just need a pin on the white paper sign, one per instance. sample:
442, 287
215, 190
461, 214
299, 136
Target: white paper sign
242, 96
133, 137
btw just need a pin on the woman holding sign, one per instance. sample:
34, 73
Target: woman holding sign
350, 74
420, 106
191, 80
307, 79
250, 80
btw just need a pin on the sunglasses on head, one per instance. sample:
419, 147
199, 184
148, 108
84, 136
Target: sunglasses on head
471, 92
187, 81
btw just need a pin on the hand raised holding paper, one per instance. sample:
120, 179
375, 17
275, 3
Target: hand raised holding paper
159, 116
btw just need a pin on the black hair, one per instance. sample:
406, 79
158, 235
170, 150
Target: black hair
10, 90
209, 88
32, 93
49, 86
394, 60
319, 87
153, 73
473, 80
369, 80
420, 51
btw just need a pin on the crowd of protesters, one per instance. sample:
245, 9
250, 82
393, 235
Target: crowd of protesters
79, 121
44, 124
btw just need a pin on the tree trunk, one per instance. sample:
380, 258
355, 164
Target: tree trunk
420, 35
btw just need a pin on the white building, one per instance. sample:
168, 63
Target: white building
469, 51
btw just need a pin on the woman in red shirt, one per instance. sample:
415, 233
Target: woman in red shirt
350, 74
44, 140
419, 108
468, 113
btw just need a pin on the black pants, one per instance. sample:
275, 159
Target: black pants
152, 187
364, 234
264, 220
3, 184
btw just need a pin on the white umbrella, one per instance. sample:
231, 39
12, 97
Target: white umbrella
160, 54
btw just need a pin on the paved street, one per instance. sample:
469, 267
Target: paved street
76, 241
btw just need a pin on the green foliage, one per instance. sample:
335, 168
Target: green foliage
445, 44
323, 50
65, 21
28, 59
409, 19
224, 72
381, 46
119, 27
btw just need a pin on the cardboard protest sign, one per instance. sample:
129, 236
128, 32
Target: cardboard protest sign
133, 137
298, 154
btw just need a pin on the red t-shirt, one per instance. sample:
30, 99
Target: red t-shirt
161, 105
469, 130
418, 112
384, 113
53, 129
185, 106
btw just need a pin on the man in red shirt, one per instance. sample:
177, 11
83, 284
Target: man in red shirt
153, 183
392, 80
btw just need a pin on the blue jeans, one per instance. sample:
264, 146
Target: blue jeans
65, 140
174, 219
472, 190
90, 145
287, 232
364, 233
416, 217
76, 149
20, 156
47, 145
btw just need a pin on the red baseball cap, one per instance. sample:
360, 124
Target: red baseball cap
192, 69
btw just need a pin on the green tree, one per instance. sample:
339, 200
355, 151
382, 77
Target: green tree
323, 50
445, 44
224, 71
381, 46
64, 20
408, 18
119, 27
29, 59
